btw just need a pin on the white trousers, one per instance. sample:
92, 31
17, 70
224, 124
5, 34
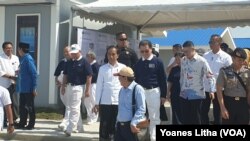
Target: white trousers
74, 102
1, 118
65, 101
89, 103
153, 102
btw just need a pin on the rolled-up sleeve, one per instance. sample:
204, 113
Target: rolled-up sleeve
210, 77
140, 106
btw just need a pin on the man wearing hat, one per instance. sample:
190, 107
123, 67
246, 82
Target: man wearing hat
235, 81
127, 117
77, 73
27, 87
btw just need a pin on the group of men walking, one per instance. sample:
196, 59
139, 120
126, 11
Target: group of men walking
109, 90
194, 81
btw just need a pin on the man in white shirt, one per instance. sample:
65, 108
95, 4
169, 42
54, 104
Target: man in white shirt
9, 64
6, 102
216, 59
107, 91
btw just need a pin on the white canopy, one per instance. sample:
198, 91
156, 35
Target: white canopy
150, 16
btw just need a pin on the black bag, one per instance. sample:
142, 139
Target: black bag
143, 135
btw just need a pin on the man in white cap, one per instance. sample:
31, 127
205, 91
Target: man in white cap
77, 73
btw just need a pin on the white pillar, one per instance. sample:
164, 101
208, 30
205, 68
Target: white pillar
2, 26
54, 50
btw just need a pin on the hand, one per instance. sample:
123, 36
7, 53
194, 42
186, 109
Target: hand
163, 100
95, 109
34, 93
134, 129
87, 93
10, 129
224, 113
58, 83
168, 98
211, 95
62, 90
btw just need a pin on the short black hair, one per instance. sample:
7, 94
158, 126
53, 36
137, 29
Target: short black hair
216, 35
188, 44
177, 46
112, 46
6, 43
146, 42
117, 35
24, 47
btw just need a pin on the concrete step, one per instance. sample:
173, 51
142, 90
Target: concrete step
47, 130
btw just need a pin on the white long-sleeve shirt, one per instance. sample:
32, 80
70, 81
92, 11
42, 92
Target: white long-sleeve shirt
108, 85
7, 66
216, 62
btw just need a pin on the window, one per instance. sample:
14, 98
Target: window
27, 32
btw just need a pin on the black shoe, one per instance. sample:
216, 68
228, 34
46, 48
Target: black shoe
5, 124
28, 127
19, 126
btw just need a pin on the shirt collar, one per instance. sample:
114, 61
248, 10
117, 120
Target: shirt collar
116, 64
93, 62
218, 53
195, 57
132, 85
6, 56
149, 58
78, 58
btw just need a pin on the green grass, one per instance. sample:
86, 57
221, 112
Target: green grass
48, 113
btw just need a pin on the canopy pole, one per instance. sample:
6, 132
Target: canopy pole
70, 25
145, 24
138, 35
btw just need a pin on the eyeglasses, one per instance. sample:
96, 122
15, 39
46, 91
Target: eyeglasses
123, 39
144, 51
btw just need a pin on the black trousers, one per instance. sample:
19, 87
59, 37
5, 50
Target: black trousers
206, 107
108, 114
191, 111
123, 132
237, 110
27, 108
14, 105
176, 110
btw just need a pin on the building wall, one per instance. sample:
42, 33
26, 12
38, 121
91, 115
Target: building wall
166, 55
10, 24
2, 25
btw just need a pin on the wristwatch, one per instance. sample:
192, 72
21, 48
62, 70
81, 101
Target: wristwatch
12, 124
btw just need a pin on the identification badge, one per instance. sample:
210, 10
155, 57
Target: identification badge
151, 65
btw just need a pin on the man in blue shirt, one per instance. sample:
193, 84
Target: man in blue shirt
126, 120
27, 87
150, 74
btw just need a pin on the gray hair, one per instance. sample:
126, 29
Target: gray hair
91, 54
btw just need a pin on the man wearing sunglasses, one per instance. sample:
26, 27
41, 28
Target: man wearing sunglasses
127, 55
150, 74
